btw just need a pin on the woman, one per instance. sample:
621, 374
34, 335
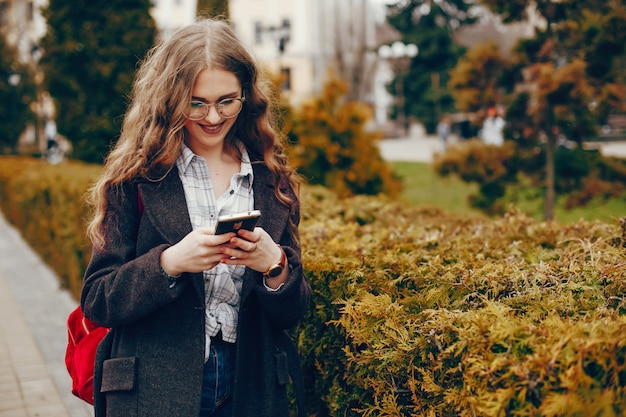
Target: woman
197, 319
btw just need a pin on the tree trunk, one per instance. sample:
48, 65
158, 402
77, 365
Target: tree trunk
550, 178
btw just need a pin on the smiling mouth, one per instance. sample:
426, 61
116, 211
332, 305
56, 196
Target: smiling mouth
212, 128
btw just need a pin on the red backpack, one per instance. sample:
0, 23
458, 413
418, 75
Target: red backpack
83, 338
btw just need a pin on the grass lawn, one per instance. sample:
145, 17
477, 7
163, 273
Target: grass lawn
422, 187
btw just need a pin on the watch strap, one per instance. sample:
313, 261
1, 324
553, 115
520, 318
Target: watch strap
171, 279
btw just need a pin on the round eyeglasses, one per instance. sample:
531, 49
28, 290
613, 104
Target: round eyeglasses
227, 108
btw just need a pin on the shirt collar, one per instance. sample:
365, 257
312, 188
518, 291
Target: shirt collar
186, 157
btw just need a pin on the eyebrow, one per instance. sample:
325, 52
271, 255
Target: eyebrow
225, 96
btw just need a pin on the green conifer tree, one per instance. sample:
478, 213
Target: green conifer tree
91, 51
430, 26
17, 91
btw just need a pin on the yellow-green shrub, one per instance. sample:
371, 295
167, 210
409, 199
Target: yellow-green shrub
431, 314
333, 146
46, 204
415, 311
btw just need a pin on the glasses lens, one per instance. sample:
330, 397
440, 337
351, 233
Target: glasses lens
230, 107
197, 110
227, 108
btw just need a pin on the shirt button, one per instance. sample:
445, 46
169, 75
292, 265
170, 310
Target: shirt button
232, 192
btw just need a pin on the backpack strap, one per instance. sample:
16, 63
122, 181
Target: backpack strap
139, 203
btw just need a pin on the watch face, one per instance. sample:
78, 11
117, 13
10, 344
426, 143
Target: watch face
275, 271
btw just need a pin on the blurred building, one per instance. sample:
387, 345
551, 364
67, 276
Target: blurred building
170, 15
298, 40
22, 26
302, 40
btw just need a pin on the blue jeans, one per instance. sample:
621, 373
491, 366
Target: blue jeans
219, 375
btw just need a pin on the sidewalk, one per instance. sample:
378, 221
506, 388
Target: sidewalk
420, 147
417, 148
33, 309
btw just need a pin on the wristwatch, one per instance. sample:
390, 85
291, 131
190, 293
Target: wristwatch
171, 279
277, 269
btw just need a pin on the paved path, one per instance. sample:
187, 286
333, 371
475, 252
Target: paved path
33, 336
413, 149
33, 310
421, 148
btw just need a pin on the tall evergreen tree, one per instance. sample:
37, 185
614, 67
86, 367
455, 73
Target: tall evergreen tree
91, 51
430, 26
576, 63
17, 91
563, 84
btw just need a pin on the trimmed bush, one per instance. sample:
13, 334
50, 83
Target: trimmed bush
333, 147
416, 312
430, 314
46, 204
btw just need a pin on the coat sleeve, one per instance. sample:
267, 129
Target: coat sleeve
119, 286
286, 306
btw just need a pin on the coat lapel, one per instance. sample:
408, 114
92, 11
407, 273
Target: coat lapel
165, 205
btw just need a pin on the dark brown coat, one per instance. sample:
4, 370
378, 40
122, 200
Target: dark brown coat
151, 364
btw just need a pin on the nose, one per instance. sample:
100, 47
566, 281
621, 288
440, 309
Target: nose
213, 115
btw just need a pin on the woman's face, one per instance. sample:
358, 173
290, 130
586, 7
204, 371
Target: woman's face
211, 87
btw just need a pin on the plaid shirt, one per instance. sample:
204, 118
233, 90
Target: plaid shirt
222, 283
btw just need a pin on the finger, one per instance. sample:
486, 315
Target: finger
248, 235
243, 244
218, 240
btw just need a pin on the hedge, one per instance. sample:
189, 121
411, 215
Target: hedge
46, 204
416, 311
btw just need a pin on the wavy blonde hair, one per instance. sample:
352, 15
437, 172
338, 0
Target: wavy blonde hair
152, 131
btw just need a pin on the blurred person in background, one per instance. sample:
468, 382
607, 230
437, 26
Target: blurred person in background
492, 127
444, 128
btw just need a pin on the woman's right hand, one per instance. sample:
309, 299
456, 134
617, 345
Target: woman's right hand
196, 252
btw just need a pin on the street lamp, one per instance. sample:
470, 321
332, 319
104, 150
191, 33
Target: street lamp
400, 56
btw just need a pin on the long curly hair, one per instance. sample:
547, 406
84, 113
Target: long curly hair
153, 127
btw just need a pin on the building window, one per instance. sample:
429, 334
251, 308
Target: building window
286, 29
285, 79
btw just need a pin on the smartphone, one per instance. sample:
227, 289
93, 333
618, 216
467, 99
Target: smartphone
233, 222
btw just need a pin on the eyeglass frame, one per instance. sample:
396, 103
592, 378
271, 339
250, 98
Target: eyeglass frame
218, 108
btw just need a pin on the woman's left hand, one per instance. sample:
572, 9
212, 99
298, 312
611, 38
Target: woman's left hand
254, 249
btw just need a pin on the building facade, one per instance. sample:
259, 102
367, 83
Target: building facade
302, 40
22, 26
170, 15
